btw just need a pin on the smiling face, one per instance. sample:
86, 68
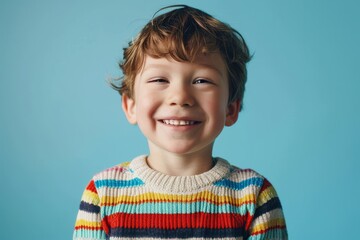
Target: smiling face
181, 107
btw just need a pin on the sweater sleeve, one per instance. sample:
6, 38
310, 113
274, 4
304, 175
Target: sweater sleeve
268, 221
88, 224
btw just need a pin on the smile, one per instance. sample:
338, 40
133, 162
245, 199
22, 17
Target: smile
179, 122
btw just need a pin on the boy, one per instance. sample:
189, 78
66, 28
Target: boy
184, 80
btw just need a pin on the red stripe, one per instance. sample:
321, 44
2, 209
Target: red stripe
265, 185
174, 221
249, 219
91, 186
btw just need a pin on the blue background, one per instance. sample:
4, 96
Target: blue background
61, 123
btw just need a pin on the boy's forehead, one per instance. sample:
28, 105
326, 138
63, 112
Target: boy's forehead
213, 60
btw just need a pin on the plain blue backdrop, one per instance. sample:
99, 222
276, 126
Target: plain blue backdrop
60, 123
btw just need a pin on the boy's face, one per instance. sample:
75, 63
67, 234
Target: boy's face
181, 107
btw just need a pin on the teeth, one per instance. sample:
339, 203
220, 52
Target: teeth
178, 122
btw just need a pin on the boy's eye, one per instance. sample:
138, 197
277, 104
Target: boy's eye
158, 80
201, 80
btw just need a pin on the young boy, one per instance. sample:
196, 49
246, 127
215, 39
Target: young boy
184, 80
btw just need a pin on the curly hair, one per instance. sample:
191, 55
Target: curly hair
182, 34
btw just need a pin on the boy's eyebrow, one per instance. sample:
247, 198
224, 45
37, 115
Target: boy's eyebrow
153, 65
159, 65
215, 69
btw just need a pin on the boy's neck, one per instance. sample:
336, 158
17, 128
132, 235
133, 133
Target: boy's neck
180, 165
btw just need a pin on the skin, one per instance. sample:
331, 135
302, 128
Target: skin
181, 108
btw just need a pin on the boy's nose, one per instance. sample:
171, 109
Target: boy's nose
181, 96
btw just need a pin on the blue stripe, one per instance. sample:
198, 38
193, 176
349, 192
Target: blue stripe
181, 233
111, 183
272, 204
177, 208
88, 207
255, 181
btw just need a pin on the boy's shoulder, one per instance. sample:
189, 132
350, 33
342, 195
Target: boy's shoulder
242, 176
120, 172
238, 170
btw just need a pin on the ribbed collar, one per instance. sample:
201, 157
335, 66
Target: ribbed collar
175, 184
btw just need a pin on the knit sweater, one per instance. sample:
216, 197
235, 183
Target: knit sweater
132, 201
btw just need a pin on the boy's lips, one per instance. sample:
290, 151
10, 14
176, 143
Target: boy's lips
179, 122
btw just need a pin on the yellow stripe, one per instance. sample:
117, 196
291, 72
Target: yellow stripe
90, 197
279, 222
156, 197
84, 223
124, 164
266, 195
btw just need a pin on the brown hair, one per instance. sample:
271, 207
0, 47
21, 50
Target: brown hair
182, 34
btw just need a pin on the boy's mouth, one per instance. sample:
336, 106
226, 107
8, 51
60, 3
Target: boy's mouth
179, 122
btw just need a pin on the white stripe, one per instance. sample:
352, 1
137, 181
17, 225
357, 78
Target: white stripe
92, 217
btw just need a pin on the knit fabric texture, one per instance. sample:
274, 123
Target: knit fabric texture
133, 201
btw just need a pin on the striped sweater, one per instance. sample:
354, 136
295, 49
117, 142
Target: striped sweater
133, 201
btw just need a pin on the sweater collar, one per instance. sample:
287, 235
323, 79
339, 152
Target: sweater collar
177, 184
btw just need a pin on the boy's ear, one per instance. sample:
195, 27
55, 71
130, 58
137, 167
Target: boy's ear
232, 113
129, 108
